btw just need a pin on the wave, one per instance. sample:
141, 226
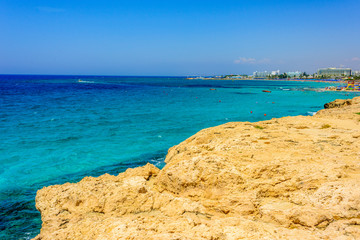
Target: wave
83, 81
158, 161
310, 113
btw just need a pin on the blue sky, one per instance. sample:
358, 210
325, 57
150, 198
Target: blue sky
175, 37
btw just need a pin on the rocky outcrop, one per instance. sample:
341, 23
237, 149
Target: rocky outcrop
338, 103
288, 178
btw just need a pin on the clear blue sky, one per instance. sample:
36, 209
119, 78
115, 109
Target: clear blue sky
172, 37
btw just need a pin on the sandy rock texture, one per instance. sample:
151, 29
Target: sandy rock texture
288, 178
338, 103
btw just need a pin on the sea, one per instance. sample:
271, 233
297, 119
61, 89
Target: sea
58, 129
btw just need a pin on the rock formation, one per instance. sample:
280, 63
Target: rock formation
288, 178
338, 103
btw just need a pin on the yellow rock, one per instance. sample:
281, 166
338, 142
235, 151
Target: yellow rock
288, 178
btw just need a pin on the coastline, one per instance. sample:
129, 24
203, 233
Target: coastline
291, 177
290, 80
268, 79
78, 148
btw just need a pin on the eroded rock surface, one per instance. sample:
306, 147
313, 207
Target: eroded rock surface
288, 178
338, 103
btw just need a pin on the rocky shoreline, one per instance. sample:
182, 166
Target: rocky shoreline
287, 178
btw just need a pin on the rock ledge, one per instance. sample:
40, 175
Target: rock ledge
288, 178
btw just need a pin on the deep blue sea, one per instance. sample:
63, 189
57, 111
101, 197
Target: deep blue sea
57, 129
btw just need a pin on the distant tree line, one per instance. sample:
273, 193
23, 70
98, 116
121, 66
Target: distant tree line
283, 76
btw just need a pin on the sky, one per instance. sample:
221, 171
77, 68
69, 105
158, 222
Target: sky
177, 38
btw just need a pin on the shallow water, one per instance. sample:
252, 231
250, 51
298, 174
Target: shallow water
55, 129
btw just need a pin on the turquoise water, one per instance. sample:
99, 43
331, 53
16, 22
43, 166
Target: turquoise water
55, 129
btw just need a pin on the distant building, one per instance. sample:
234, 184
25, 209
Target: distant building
233, 76
275, 73
236, 77
334, 72
355, 73
261, 74
266, 74
294, 74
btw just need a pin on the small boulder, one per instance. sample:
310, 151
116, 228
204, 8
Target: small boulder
338, 103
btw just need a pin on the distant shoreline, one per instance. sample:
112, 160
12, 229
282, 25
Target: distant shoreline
268, 79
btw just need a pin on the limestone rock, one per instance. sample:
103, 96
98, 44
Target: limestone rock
338, 103
288, 178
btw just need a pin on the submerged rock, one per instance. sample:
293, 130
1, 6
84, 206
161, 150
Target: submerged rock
288, 178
